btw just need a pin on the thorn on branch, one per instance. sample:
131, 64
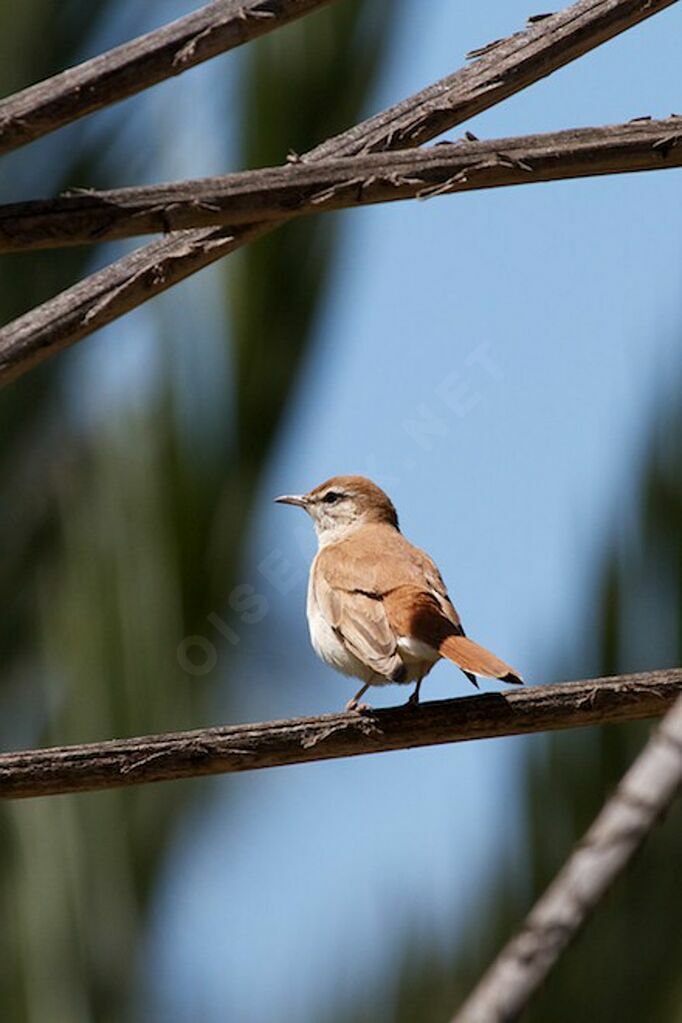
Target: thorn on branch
381, 143
431, 191
482, 50
135, 765
513, 161
155, 274
589, 697
310, 741
163, 211
533, 19
329, 193
202, 204
664, 145
187, 52
204, 246
261, 10
16, 124
167, 212
414, 130
75, 190
364, 723
98, 307
504, 160
401, 180
202, 747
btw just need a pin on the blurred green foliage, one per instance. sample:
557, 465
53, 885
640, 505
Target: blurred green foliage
123, 530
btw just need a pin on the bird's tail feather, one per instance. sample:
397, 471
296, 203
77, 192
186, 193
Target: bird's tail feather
474, 659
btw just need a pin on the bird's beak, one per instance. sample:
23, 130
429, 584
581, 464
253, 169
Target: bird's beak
298, 499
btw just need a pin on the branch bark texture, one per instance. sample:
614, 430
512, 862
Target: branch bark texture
279, 193
500, 70
134, 66
643, 796
123, 762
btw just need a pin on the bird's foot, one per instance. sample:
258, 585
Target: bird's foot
355, 705
413, 699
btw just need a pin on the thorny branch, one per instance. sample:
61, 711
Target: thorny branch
279, 193
140, 63
503, 70
122, 762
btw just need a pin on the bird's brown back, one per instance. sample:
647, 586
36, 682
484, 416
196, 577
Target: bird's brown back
377, 560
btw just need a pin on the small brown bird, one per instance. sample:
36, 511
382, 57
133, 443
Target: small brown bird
377, 607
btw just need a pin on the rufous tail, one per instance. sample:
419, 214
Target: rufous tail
474, 659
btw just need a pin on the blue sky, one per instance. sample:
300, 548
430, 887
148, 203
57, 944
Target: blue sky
493, 360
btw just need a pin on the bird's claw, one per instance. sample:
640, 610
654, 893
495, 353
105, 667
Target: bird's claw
359, 708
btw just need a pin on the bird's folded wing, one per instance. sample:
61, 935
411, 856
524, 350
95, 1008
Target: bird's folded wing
436, 587
417, 613
378, 560
360, 622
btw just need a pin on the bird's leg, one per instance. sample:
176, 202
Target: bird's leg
414, 698
353, 704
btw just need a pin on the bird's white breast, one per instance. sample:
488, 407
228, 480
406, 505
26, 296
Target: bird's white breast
327, 644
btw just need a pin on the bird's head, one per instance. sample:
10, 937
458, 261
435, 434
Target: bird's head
342, 504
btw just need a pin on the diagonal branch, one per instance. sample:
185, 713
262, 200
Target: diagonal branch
134, 66
643, 796
123, 762
500, 71
502, 68
279, 193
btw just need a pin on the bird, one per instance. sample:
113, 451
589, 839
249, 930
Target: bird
377, 606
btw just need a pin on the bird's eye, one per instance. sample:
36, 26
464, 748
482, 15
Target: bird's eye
331, 497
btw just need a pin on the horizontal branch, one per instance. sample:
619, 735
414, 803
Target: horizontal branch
279, 193
134, 66
626, 819
123, 762
504, 69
